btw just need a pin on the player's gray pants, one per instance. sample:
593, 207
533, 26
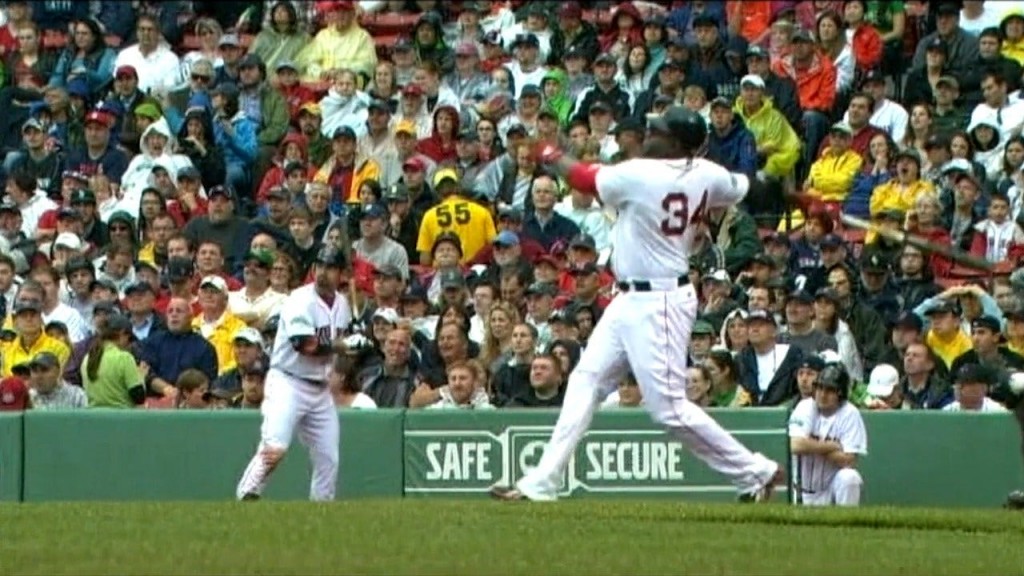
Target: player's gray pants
289, 403
650, 333
843, 490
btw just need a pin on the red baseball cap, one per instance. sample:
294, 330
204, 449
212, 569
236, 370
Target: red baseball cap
126, 71
414, 163
412, 90
100, 117
13, 394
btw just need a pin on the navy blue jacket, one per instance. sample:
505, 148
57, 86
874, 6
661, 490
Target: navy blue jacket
559, 228
171, 353
736, 150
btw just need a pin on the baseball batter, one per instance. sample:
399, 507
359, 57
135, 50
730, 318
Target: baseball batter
826, 435
296, 394
647, 327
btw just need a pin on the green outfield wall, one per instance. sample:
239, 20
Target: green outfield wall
932, 459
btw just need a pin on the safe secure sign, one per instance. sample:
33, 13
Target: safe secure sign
620, 461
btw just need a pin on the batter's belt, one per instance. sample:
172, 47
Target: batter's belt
662, 285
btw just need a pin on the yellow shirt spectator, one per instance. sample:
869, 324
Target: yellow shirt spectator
898, 195
221, 334
471, 222
346, 45
948, 349
28, 319
221, 331
831, 176
776, 140
1012, 27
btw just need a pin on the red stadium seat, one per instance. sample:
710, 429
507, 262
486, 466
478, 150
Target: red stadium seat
190, 42
54, 40
963, 272
113, 41
389, 23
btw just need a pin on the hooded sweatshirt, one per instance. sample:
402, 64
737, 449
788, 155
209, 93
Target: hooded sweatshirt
276, 176
136, 176
560, 102
991, 155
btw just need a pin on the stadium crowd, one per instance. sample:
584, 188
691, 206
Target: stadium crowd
172, 168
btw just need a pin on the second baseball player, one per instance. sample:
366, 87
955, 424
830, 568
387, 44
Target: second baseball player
296, 394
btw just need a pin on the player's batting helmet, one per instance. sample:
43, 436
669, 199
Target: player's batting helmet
687, 127
835, 376
330, 256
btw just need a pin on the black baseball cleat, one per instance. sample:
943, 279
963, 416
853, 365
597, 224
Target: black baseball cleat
507, 494
250, 497
1015, 500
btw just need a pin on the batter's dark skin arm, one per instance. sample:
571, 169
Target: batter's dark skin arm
579, 175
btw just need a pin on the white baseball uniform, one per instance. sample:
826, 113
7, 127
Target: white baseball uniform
822, 483
296, 393
648, 326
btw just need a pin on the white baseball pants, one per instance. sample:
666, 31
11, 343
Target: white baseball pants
289, 403
650, 333
843, 490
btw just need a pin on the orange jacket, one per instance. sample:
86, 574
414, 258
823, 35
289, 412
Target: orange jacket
867, 47
753, 17
816, 86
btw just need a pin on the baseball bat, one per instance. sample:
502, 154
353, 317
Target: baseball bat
953, 253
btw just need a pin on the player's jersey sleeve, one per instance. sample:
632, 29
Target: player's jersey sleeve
425, 241
801, 420
726, 188
615, 182
296, 319
853, 437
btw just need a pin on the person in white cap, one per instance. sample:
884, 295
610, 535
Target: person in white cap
216, 323
884, 392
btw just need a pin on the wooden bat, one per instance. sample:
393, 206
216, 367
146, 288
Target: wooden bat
953, 253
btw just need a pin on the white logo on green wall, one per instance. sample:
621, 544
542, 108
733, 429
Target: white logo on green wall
606, 461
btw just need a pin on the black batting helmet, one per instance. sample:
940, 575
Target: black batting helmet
330, 256
687, 127
835, 376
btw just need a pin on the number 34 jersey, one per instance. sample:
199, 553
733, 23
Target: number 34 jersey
471, 222
662, 206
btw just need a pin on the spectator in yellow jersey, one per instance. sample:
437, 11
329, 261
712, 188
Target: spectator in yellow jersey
30, 339
471, 222
216, 323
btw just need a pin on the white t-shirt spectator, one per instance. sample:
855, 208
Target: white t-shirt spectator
159, 71
987, 405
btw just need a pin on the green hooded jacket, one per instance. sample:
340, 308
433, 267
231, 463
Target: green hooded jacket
560, 103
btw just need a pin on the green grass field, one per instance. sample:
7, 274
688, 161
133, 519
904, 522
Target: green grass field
477, 537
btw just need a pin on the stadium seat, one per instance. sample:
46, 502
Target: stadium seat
389, 23
54, 40
113, 41
964, 272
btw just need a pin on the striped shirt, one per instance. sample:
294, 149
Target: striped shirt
63, 397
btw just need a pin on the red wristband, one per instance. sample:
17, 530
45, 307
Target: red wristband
583, 177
